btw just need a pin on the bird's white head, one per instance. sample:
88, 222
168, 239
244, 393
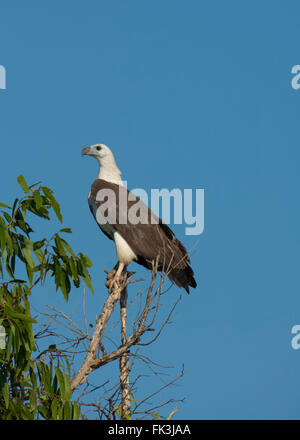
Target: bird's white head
108, 167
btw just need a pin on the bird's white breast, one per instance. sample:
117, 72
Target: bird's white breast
124, 252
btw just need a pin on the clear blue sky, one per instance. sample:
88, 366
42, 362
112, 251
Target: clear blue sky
190, 94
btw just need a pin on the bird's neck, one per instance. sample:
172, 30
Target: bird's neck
110, 172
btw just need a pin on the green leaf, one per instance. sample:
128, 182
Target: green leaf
29, 271
67, 411
40, 255
15, 205
13, 263
67, 230
73, 269
11, 335
65, 285
5, 394
53, 202
22, 183
54, 407
68, 366
76, 411
9, 268
28, 257
7, 216
32, 400
43, 411
9, 242
59, 245
67, 247
38, 244
33, 378
57, 273
23, 317
68, 391
88, 282
61, 381
3, 205
87, 262
2, 235
84, 273
38, 199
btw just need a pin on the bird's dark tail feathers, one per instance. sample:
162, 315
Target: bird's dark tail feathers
183, 277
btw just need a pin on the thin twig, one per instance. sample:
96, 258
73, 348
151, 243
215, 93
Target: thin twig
172, 413
124, 359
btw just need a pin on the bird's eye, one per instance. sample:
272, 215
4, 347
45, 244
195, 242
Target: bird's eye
98, 148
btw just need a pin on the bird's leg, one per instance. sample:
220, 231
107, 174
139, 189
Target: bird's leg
112, 273
120, 270
114, 276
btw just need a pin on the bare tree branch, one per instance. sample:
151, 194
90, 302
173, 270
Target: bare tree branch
172, 413
119, 398
89, 363
124, 360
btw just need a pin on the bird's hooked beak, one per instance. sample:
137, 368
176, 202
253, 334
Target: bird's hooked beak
85, 151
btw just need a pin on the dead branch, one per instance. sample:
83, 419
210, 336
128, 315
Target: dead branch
91, 362
166, 385
172, 413
119, 402
124, 360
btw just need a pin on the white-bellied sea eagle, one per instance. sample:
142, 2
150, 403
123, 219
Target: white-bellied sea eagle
139, 235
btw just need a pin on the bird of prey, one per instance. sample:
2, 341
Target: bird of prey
146, 241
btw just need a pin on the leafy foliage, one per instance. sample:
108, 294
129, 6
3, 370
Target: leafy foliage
34, 388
